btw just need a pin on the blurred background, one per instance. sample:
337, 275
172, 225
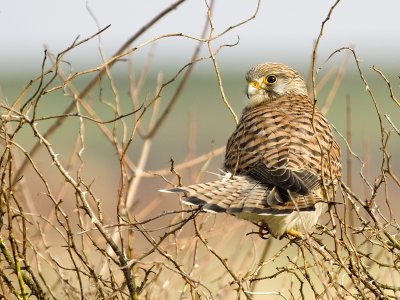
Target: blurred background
282, 31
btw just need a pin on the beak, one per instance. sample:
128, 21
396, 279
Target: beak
251, 90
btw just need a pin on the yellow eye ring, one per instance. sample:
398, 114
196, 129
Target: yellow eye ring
270, 79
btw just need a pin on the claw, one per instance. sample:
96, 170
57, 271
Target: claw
263, 232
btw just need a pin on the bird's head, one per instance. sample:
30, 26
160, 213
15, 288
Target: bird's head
268, 81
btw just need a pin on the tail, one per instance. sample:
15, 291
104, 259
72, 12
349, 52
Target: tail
234, 195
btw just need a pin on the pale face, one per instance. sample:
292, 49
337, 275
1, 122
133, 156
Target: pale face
267, 82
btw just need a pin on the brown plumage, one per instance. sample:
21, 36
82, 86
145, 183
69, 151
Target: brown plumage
282, 161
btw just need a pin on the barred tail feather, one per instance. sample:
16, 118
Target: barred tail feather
234, 195
215, 196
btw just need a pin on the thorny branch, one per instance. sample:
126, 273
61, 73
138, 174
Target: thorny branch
66, 235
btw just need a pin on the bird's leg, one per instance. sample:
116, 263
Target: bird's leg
294, 233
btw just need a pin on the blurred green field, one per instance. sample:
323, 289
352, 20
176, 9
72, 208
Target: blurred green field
200, 122
201, 105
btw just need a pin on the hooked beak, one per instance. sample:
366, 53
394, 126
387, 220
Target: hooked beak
251, 90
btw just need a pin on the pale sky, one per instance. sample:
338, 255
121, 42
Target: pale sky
283, 30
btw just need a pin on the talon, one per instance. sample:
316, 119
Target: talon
294, 233
263, 232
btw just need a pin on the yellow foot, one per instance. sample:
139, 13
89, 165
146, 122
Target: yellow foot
295, 233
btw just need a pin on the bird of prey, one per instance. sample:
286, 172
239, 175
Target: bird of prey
282, 163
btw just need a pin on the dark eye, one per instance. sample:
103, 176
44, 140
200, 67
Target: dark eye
271, 78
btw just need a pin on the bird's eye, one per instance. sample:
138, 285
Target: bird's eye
270, 79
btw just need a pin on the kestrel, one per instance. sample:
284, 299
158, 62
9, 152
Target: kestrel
282, 163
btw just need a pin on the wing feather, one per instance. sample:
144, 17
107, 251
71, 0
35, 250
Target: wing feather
285, 146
